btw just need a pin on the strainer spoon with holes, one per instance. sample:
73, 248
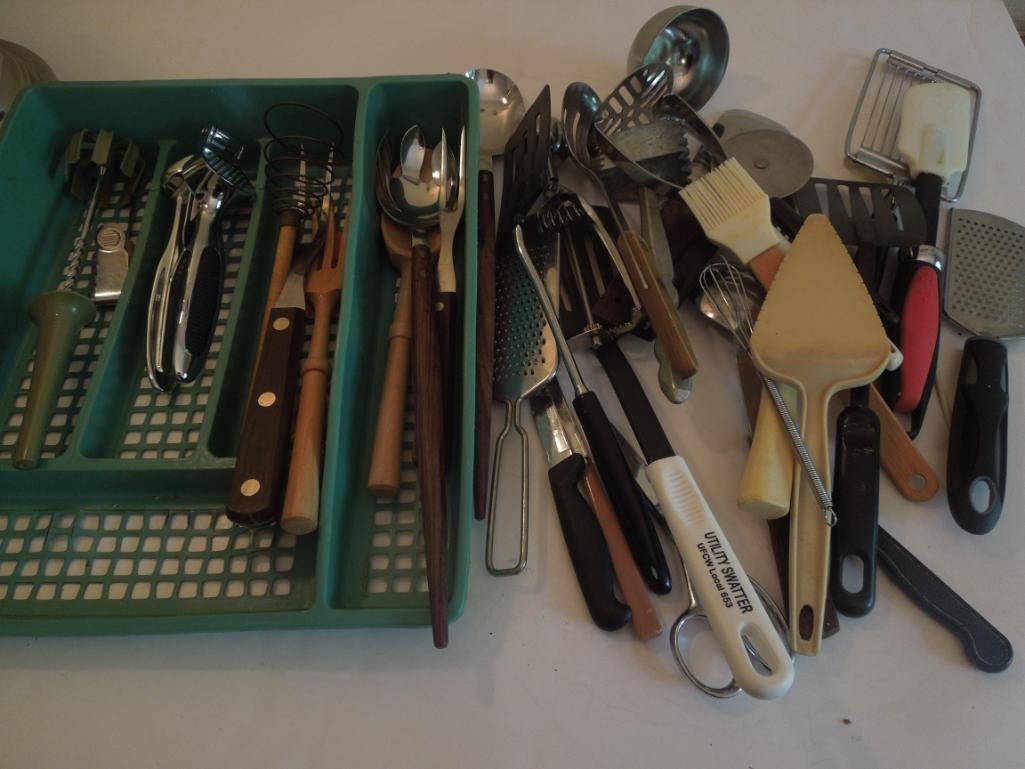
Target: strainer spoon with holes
525, 360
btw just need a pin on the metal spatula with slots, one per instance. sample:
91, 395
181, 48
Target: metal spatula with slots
817, 330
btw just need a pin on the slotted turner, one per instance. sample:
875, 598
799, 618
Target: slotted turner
817, 330
525, 359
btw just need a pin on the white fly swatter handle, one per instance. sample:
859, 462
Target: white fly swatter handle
718, 580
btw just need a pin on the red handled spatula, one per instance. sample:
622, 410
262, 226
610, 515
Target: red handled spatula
933, 140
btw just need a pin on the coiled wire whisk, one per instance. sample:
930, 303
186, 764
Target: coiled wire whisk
724, 286
300, 157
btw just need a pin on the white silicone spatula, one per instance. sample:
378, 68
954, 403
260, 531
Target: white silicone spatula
933, 139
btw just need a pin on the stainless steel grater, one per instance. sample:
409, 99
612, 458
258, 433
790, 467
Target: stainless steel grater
525, 359
985, 274
872, 135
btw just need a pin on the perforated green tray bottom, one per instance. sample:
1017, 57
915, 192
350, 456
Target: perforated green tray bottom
155, 552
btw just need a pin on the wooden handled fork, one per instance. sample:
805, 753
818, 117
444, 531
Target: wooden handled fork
323, 290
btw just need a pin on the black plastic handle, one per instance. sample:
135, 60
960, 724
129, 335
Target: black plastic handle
786, 217
206, 302
856, 502
977, 454
987, 648
638, 527
928, 190
587, 548
638, 409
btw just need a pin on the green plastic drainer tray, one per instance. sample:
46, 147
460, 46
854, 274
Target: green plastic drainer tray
121, 528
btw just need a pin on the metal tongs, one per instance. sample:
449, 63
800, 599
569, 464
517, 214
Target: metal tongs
187, 284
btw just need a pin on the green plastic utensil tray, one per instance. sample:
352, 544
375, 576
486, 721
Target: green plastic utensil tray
121, 527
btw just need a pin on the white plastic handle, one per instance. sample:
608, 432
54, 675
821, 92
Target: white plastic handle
720, 583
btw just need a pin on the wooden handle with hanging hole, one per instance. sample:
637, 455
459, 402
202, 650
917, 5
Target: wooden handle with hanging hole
899, 456
646, 622
664, 317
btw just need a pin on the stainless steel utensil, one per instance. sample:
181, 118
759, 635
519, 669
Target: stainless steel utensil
525, 359
734, 122
780, 162
985, 276
452, 181
985, 295
113, 250
691, 40
579, 114
637, 527
178, 184
201, 267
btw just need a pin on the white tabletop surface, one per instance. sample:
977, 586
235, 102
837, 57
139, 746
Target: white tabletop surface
527, 680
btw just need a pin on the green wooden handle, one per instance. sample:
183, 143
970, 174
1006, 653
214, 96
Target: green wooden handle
60, 317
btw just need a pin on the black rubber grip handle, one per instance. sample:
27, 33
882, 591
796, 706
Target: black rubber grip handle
637, 526
977, 453
987, 648
643, 421
928, 190
856, 502
206, 302
587, 548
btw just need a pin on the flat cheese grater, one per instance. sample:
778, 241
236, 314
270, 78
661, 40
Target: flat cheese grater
985, 275
872, 135
985, 294
525, 359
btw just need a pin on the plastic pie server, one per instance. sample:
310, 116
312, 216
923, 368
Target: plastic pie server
818, 330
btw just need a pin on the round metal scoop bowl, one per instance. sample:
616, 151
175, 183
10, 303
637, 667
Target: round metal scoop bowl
693, 41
